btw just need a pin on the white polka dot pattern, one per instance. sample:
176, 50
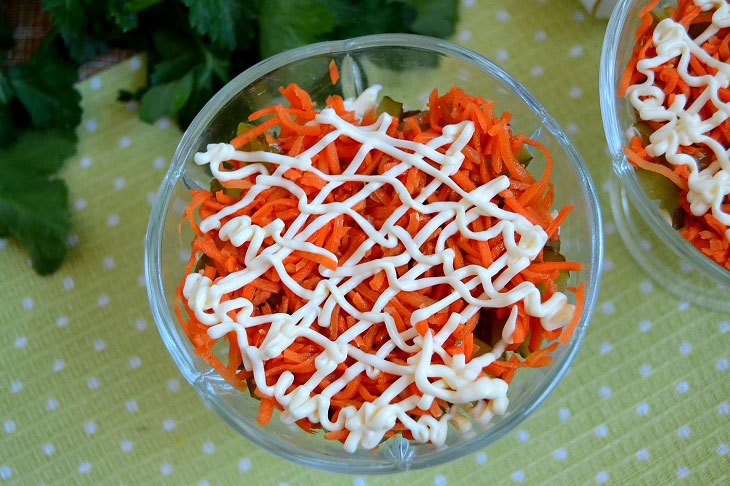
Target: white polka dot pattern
48, 449
564, 414
127, 445
481, 457
88, 368
58, 365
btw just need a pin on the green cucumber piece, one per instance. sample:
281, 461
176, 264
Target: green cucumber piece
258, 144
524, 157
216, 186
659, 189
390, 106
202, 262
552, 254
644, 130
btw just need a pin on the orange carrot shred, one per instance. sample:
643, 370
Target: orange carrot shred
334, 72
288, 129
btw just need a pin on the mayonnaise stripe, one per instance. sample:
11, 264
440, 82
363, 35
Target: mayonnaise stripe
455, 381
683, 126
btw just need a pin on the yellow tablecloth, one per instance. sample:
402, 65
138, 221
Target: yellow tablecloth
88, 394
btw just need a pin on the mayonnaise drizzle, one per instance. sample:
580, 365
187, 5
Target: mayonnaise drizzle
455, 381
684, 126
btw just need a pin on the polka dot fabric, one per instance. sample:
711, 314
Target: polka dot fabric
88, 394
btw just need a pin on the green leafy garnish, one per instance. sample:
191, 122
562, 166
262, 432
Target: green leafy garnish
193, 48
196, 46
166, 99
33, 203
224, 21
432, 17
284, 24
45, 88
551, 253
39, 112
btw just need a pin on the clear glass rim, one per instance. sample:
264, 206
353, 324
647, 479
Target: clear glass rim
166, 322
621, 166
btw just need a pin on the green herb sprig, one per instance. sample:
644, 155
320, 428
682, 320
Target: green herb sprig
193, 48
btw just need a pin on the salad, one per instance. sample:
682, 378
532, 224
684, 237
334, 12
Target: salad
677, 83
374, 271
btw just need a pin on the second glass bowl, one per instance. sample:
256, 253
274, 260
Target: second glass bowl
407, 67
653, 242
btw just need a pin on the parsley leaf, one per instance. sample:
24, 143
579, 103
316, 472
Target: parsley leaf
44, 86
122, 14
219, 19
6, 89
193, 48
166, 99
33, 204
7, 126
364, 17
208, 78
135, 6
433, 17
72, 19
182, 84
284, 24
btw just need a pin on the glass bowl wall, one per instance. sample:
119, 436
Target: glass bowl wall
407, 67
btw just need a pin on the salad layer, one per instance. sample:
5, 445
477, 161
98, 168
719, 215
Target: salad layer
376, 272
678, 82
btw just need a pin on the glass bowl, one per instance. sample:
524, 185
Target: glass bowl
652, 241
407, 66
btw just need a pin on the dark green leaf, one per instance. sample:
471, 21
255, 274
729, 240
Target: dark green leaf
6, 89
165, 99
7, 126
67, 14
125, 95
28, 216
176, 68
366, 17
40, 152
71, 18
204, 87
246, 28
198, 98
82, 46
170, 43
125, 18
219, 19
136, 6
44, 86
433, 17
284, 24
38, 218
218, 67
